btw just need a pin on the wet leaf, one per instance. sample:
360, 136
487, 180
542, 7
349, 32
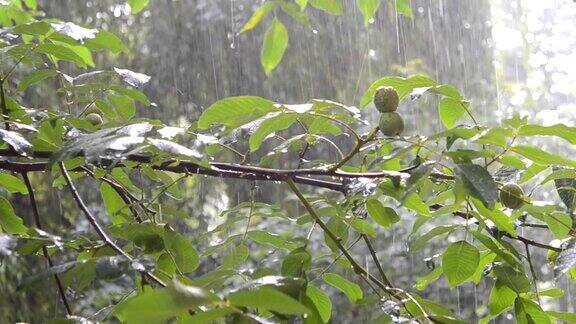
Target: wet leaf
17, 141
137, 5
459, 262
566, 260
529, 312
235, 111
384, 216
134, 79
9, 221
451, 111
501, 298
258, 15
333, 7
321, 301
479, 183
269, 127
274, 46
72, 30
12, 184
368, 9
267, 298
35, 77
159, 305
350, 289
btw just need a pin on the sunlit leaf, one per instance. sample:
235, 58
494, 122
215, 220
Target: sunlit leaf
350, 289
159, 305
267, 298
137, 5
333, 7
258, 15
459, 262
12, 184
270, 126
368, 9
451, 111
529, 312
235, 111
322, 302
274, 46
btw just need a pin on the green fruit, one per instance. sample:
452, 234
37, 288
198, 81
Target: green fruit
391, 124
512, 195
386, 99
94, 119
92, 109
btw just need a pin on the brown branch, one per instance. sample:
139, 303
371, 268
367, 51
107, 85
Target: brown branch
98, 228
38, 222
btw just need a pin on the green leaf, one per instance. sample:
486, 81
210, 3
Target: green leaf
182, 251
403, 7
459, 262
302, 4
350, 289
159, 305
322, 302
479, 183
35, 77
114, 203
258, 15
235, 111
267, 238
9, 221
270, 126
424, 281
368, 8
105, 40
421, 241
450, 111
296, 263
383, 216
563, 316
558, 130
363, 227
274, 46
61, 52
498, 217
513, 279
333, 7
501, 298
137, 5
402, 85
267, 298
528, 312
541, 157
339, 228
17, 141
12, 184
238, 256
34, 28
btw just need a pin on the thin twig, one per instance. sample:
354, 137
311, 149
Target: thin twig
61, 290
98, 228
376, 261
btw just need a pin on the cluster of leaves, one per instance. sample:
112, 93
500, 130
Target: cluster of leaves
452, 177
276, 37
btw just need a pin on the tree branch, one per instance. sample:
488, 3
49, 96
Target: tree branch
98, 228
38, 222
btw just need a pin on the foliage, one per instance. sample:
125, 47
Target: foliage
450, 178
